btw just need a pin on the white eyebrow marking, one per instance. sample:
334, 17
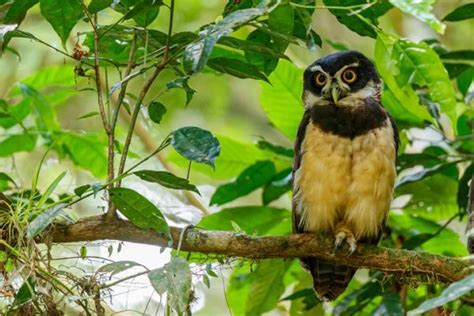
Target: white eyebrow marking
356, 64
317, 68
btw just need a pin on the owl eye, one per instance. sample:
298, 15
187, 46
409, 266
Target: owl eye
349, 76
320, 79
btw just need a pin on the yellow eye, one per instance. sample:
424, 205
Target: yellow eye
349, 76
320, 79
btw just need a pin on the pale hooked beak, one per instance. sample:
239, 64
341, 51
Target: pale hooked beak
335, 93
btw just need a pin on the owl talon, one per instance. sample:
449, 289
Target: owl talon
339, 239
352, 244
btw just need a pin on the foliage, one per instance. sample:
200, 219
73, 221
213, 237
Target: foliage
124, 55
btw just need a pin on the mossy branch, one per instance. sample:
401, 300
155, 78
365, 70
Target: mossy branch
406, 263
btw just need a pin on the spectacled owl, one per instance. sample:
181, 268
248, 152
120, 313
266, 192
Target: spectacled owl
344, 164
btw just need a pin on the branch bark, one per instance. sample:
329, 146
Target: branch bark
401, 262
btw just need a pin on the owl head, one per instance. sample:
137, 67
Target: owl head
341, 79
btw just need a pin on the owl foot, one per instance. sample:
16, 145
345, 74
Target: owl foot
345, 234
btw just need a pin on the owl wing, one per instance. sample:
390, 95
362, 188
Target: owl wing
296, 165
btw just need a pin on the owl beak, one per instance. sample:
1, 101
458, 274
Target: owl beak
335, 94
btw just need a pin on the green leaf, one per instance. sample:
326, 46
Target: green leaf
149, 14
452, 292
196, 144
264, 62
358, 299
182, 83
25, 293
433, 197
139, 210
6, 177
236, 68
257, 292
175, 280
46, 119
365, 21
446, 242
259, 220
279, 185
87, 152
461, 13
87, 115
62, 15
166, 179
99, 5
281, 20
43, 220
17, 143
391, 306
156, 110
422, 11
249, 180
388, 54
58, 76
281, 99
424, 173
197, 54
17, 11
117, 267
15, 114
463, 188
51, 189
279, 150
252, 45
79, 191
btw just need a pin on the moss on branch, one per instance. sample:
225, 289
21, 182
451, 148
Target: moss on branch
406, 263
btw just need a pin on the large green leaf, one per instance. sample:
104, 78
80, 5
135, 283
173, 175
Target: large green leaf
362, 23
260, 220
446, 242
461, 13
43, 220
264, 62
174, 279
254, 293
62, 15
249, 180
266, 286
196, 144
166, 179
16, 143
433, 197
46, 119
86, 152
452, 292
400, 64
422, 11
15, 114
281, 99
391, 305
47, 78
236, 68
139, 210
197, 53
16, 13
279, 185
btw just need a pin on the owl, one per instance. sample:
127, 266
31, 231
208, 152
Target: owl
344, 164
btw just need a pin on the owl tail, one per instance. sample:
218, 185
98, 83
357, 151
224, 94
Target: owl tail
329, 280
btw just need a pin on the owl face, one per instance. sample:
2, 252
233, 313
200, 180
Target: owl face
340, 79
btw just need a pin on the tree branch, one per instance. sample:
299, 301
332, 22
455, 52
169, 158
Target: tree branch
405, 263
